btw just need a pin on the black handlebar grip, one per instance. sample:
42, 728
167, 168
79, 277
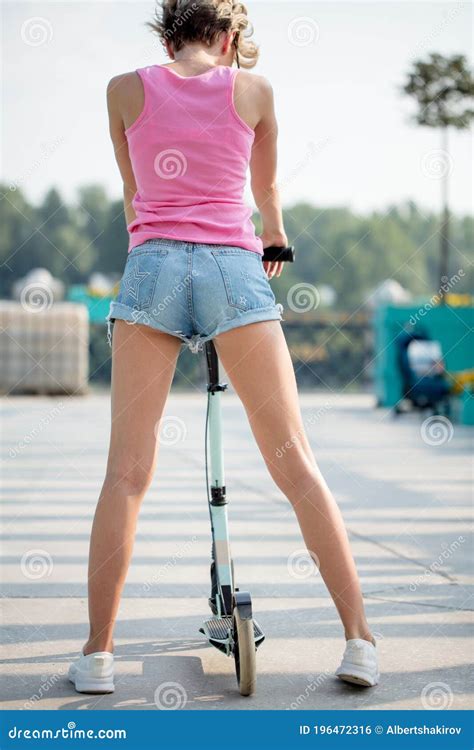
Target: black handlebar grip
285, 254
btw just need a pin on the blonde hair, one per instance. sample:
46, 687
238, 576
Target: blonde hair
182, 21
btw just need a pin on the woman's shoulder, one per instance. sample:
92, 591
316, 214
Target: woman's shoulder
126, 84
254, 80
123, 84
250, 84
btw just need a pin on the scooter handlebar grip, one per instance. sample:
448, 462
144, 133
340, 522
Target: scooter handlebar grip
274, 254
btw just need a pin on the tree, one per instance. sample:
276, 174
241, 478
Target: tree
444, 90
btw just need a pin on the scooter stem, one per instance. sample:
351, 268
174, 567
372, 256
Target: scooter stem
218, 501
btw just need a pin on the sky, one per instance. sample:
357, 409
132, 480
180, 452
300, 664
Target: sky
346, 137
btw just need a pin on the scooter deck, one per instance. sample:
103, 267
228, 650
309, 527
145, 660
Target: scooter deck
218, 630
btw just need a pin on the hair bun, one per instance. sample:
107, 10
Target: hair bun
180, 22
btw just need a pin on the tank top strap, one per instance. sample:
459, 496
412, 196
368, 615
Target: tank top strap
151, 79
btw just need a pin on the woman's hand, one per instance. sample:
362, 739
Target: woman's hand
274, 268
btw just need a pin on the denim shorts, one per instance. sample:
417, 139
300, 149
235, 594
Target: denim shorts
193, 291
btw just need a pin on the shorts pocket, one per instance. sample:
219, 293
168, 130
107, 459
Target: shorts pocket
246, 283
138, 283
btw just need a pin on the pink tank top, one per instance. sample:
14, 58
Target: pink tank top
190, 151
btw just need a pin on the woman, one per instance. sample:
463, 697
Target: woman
184, 134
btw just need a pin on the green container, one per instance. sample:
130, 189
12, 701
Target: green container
98, 307
451, 326
467, 408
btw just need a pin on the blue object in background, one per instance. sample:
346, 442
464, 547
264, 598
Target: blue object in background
451, 326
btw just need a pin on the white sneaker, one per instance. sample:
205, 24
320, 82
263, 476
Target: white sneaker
93, 673
359, 663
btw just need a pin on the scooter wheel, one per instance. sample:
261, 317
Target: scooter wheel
244, 654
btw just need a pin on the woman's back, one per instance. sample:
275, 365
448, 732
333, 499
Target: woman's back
190, 150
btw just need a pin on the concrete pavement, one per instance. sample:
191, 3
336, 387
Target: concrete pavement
404, 493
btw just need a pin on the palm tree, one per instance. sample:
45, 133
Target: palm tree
444, 90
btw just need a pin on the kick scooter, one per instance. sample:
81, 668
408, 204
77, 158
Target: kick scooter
232, 628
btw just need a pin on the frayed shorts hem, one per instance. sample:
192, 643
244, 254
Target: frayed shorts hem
195, 343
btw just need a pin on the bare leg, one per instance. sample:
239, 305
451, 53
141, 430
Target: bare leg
258, 363
143, 364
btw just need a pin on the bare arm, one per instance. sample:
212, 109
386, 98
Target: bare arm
118, 88
263, 170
